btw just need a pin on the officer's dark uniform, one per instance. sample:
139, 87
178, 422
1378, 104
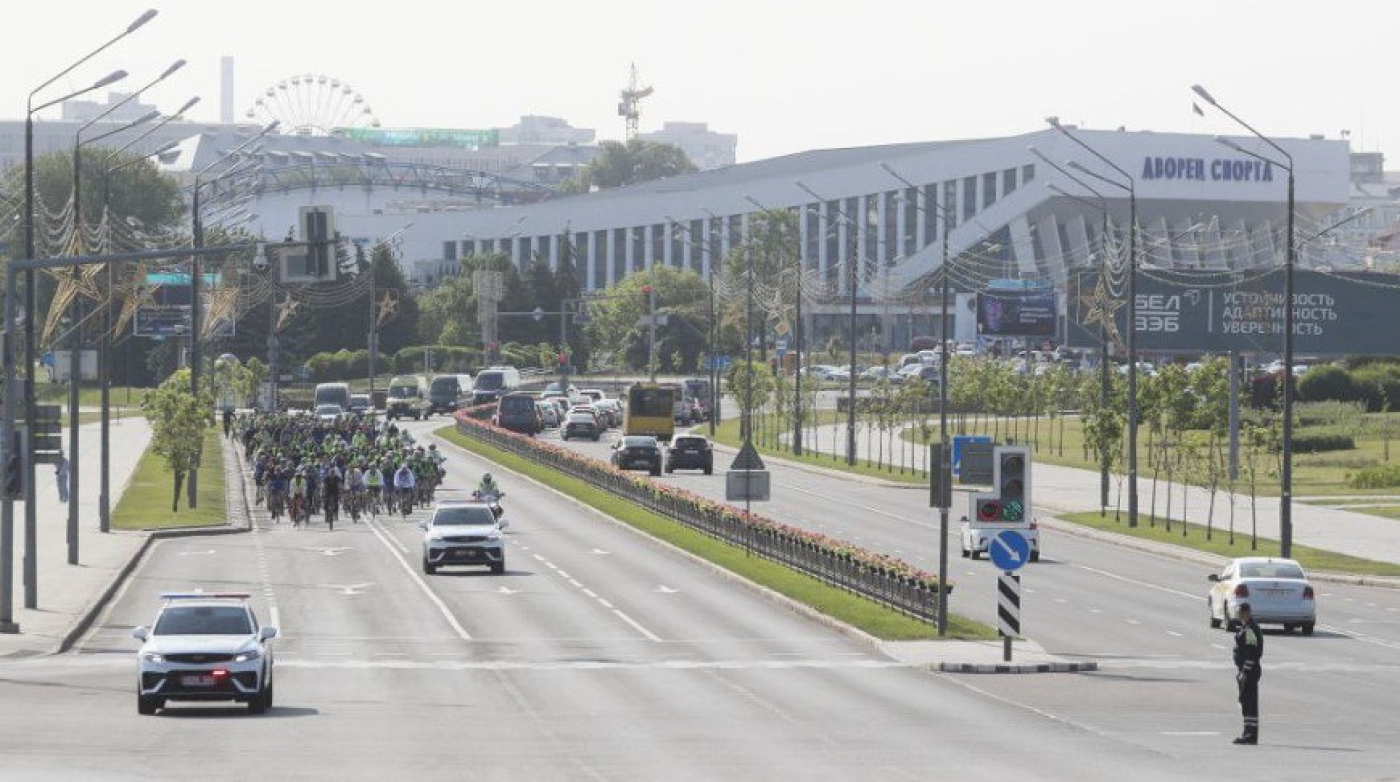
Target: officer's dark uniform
1249, 653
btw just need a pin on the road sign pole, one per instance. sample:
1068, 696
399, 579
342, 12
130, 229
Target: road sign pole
1008, 610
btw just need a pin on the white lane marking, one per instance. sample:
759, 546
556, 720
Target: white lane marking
1096, 610
1190, 733
600, 552
629, 620
1135, 582
196, 553
665, 590
437, 601
276, 617
1174, 633
590, 593
1219, 646
1023, 706
604, 603
1134, 622
1061, 600
507, 591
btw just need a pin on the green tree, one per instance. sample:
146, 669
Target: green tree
768, 261
178, 419
619, 165
616, 322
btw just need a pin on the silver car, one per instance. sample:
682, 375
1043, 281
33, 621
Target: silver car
1277, 591
463, 533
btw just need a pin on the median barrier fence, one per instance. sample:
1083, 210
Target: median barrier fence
878, 577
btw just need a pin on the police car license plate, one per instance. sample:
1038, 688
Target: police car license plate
197, 681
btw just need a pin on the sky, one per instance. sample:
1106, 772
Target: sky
786, 76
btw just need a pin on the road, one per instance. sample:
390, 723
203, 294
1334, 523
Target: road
599, 655
1165, 680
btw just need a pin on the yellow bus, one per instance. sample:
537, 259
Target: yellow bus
651, 410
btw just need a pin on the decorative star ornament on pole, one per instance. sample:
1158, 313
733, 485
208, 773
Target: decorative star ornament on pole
285, 311
387, 307
1103, 308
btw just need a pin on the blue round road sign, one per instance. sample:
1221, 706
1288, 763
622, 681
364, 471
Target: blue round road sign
1009, 550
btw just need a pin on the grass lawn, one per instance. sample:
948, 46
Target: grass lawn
146, 502
727, 433
1194, 537
870, 617
55, 394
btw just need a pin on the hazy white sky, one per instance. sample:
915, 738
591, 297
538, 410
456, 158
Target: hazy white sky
784, 75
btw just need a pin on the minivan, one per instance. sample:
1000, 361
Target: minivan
492, 383
408, 397
518, 413
449, 393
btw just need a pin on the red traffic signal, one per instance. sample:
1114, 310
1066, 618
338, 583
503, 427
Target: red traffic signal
989, 509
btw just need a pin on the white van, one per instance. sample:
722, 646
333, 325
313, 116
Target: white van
492, 383
333, 394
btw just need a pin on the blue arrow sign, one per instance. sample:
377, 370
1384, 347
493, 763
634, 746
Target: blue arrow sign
1009, 550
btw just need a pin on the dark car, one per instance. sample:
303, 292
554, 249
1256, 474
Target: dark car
636, 452
690, 452
581, 423
518, 413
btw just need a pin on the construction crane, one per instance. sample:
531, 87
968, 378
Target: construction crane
630, 106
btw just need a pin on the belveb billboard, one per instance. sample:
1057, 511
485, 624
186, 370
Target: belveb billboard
1017, 313
1336, 313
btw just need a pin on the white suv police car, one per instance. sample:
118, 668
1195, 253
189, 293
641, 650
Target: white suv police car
463, 533
204, 647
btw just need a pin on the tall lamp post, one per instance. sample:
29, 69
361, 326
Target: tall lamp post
76, 306
104, 498
853, 228
1129, 185
392, 242
945, 478
1103, 316
798, 345
31, 305
196, 279
708, 256
1285, 510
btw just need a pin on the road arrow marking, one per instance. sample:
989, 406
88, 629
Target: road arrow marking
350, 589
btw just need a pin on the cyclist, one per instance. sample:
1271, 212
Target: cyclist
355, 482
276, 492
299, 490
374, 483
330, 482
405, 485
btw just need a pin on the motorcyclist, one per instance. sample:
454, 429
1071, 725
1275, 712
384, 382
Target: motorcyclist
488, 488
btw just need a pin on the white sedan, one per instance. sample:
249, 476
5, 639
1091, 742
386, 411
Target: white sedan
1277, 591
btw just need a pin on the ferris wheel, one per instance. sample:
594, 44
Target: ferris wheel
313, 105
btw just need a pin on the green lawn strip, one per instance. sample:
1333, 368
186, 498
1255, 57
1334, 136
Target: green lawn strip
864, 614
146, 502
727, 433
117, 396
1195, 538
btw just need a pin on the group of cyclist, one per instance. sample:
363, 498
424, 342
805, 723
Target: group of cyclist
305, 466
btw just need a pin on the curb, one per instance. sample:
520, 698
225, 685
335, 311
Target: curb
1014, 668
89, 615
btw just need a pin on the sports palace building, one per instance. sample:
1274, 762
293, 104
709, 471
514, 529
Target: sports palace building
1018, 208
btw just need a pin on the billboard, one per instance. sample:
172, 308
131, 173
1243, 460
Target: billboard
424, 137
1334, 313
1016, 313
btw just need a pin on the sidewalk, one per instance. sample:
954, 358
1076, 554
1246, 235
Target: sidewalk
71, 596
1067, 489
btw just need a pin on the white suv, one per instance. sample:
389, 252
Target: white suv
463, 533
204, 647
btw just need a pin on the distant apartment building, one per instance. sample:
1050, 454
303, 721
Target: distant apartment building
706, 148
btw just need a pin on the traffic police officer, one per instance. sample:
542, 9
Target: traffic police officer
1249, 653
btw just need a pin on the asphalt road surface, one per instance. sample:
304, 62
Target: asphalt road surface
601, 655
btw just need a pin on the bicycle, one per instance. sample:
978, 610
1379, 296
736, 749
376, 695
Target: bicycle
299, 514
332, 509
354, 504
406, 501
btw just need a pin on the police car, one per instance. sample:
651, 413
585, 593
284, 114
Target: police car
204, 647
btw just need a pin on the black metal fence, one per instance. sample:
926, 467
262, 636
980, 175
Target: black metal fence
886, 580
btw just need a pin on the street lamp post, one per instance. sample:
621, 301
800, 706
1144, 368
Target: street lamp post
196, 281
31, 306
1285, 511
797, 339
712, 371
853, 228
104, 500
76, 305
945, 478
1131, 188
1105, 462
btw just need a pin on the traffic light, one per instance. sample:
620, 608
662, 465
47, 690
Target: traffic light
1011, 476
